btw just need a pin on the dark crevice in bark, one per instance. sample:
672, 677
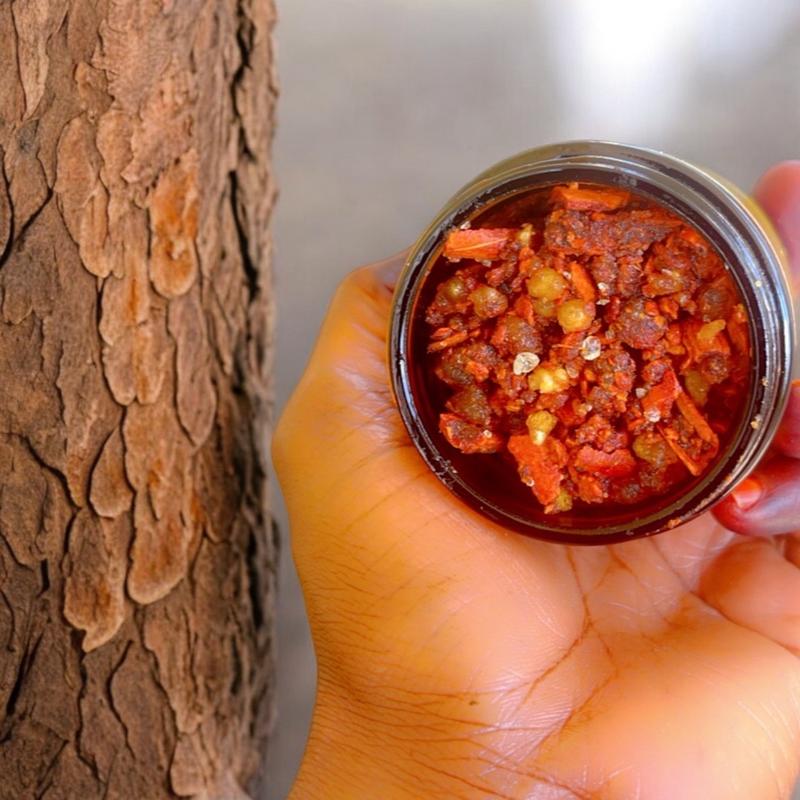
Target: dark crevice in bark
11, 634
10, 550
251, 270
44, 571
84, 675
20, 236
254, 581
236, 659
46, 782
53, 470
5, 205
112, 705
16, 690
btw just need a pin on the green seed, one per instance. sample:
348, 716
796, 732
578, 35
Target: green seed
548, 380
650, 447
710, 330
563, 502
546, 284
544, 308
697, 387
540, 424
455, 290
488, 302
575, 315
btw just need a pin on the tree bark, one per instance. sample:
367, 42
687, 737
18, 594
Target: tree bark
136, 554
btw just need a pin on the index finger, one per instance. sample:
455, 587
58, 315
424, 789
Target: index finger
778, 193
768, 502
787, 439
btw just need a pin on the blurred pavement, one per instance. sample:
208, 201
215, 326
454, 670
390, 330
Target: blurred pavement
388, 107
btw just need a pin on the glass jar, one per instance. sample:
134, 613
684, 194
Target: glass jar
746, 241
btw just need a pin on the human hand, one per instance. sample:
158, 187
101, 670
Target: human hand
459, 660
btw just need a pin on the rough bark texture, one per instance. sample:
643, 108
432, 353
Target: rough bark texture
136, 555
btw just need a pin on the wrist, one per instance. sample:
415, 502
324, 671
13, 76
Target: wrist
395, 748
344, 758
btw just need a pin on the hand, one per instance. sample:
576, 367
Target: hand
460, 660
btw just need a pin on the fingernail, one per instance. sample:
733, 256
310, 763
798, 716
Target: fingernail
747, 494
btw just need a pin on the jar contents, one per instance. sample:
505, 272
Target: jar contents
600, 343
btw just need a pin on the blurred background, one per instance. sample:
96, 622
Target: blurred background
388, 107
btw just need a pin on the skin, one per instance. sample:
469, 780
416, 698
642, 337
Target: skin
460, 660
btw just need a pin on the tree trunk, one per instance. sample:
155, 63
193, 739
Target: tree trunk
136, 556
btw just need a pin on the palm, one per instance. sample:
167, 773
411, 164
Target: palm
503, 651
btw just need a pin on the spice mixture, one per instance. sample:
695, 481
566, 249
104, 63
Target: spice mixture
602, 345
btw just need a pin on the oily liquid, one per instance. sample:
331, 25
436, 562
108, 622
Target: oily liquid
493, 478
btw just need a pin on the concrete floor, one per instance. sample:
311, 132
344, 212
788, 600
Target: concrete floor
390, 106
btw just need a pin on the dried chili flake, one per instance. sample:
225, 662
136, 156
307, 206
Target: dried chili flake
657, 403
600, 345
616, 464
481, 245
581, 280
468, 438
585, 198
540, 466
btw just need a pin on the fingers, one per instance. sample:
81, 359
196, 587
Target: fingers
767, 503
778, 192
787, 439
753, 584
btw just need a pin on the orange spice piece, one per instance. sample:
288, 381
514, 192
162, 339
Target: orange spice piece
486, 244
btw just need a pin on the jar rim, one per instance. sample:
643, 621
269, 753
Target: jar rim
719, 211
